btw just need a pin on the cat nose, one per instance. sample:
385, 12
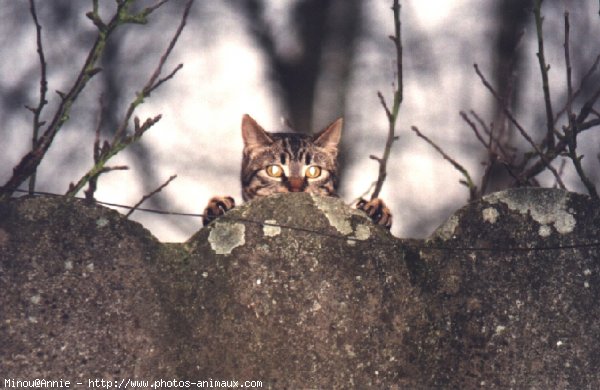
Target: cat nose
295, 184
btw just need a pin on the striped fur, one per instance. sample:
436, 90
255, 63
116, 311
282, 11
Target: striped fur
286, 162
294, 154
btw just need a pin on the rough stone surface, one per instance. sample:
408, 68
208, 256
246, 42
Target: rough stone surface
297, 309
526, 317
324, 300
76, 298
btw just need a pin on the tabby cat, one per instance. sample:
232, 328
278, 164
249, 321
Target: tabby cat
288, 162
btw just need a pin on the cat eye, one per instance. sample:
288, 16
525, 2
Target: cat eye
313, 172
274, 171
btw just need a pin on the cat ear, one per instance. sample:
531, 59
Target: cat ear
253, 134
329, 138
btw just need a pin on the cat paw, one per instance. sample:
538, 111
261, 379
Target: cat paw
376, 209
216, 207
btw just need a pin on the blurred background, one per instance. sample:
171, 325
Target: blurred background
306, 61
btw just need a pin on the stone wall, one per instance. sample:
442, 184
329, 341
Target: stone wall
504, 294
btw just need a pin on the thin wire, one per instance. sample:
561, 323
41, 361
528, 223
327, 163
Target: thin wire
336, 236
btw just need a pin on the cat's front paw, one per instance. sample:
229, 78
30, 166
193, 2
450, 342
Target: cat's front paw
216, 207
377, 211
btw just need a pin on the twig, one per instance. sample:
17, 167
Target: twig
164, 79
493, 140
539, 166
388, 113
110, 150
97, 151
392, 114
468, 181
93, 180
537, 10
151, 194
148, 10
120, 140
561, 170
28, 164
523, 132
484, 126
37, 111
152, 83
498, 98
361, 196
571, 135
587, 108
568, 68
492, 155
582, 83
473, 126
571, 131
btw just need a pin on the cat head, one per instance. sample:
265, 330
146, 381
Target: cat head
287, 162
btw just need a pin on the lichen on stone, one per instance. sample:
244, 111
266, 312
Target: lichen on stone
335, 212
101, 222
362, 232
340, 217
490, 215
270, 229
545, 231
447, 229
545, 206
224, 237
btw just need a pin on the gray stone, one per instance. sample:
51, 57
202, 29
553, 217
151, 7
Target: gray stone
76, 300
504, 295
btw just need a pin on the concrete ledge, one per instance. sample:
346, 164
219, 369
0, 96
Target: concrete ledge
489, 300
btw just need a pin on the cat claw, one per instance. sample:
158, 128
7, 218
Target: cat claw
216, 207
376, 209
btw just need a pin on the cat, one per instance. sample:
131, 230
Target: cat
288, 162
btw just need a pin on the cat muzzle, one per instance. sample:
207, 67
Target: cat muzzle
295, 184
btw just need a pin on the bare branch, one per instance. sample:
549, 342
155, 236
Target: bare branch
28, 164
152, 83
365, 193
164, 79
571, 131
498, 98
388, 113
509, 115
148, 10
588, 107
151, 194
483, 125
588, 125
97, 152
571, 135
392, 114
473, 126
561, 170
493, 140
562, 143
150, 86
468, 181
120, 140
537, 10
110, 150
568, 68
37, 111
583, 82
